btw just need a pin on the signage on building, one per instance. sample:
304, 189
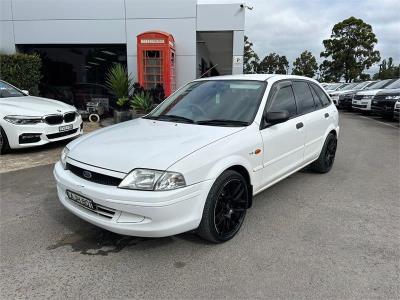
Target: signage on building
237, 61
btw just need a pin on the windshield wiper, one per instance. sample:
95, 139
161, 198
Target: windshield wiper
170, 118
222, 122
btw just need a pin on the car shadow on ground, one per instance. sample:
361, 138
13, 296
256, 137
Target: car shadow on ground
36, 149
88, 239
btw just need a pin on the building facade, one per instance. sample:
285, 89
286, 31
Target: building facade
78, 40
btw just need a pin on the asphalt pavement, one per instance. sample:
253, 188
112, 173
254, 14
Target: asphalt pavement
310, 236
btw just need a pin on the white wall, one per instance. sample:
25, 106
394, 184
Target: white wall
6, 27
115, 21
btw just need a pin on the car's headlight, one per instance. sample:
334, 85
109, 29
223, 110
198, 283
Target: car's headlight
392, 97
23, 120
152, 180
63, 158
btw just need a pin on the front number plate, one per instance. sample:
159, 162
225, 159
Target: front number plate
65, 128
85, 202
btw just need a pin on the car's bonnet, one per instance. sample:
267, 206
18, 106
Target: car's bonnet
369, 92
144, 143
33, 106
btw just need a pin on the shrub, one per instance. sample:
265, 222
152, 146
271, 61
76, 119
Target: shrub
21, 70
118, 80
142, 102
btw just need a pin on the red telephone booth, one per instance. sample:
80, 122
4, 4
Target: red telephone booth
156, 60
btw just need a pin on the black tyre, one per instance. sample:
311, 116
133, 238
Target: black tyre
4, 147
326, 158
225, 208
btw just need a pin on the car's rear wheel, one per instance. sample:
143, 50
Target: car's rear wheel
225, 208
326, 158
4, 146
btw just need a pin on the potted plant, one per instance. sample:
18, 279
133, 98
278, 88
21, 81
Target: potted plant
142, 103
120, 82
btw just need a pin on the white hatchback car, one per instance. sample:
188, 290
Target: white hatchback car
196, 161
27, 121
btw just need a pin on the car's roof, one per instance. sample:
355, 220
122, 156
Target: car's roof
257, 77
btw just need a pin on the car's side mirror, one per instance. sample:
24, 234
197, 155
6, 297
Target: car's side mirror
276, 117
25, 92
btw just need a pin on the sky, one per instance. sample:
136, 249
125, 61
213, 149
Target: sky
288, 27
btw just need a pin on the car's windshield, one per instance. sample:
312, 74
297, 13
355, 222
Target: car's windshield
362, 85
7, 91
380, 84
349, 87
332, 86
394, 85
213, 102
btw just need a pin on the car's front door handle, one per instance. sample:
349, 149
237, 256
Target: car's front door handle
299, 125
326, 115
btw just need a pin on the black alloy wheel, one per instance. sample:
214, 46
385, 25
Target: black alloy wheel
225, 208
4, 147
230, 208
330, 153
326, 158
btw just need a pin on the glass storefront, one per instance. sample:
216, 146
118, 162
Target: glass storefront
76, 74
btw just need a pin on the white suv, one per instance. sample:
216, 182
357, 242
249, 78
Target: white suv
196, 161
362, 100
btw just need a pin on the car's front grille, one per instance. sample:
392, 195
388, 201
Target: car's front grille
61, 134
69, 117
54, 119
59, 119
358, 97
379, 97
94, 176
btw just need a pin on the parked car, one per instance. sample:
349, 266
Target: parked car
346, 98
196, 161
383, 103
362, 100
27, 121
335, 95
396, 114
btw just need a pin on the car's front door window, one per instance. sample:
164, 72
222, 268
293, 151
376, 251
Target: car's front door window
284, 100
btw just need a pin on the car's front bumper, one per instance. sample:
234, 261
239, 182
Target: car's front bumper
364, 105
136, 213
43, 133
345, 103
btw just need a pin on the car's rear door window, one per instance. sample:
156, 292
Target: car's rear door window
324, 98
317, 100
304, 98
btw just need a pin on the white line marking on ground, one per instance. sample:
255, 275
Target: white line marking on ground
380, 122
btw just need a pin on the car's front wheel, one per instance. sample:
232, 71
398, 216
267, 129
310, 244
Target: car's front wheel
4, 147
225, 208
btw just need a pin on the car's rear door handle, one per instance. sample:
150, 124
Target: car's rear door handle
299, 125
326, 115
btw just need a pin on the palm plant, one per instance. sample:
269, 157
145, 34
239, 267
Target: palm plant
121, 83
142, 102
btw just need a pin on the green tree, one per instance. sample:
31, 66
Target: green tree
387, 70
350, 49
274, 63
305, 65
250, 58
